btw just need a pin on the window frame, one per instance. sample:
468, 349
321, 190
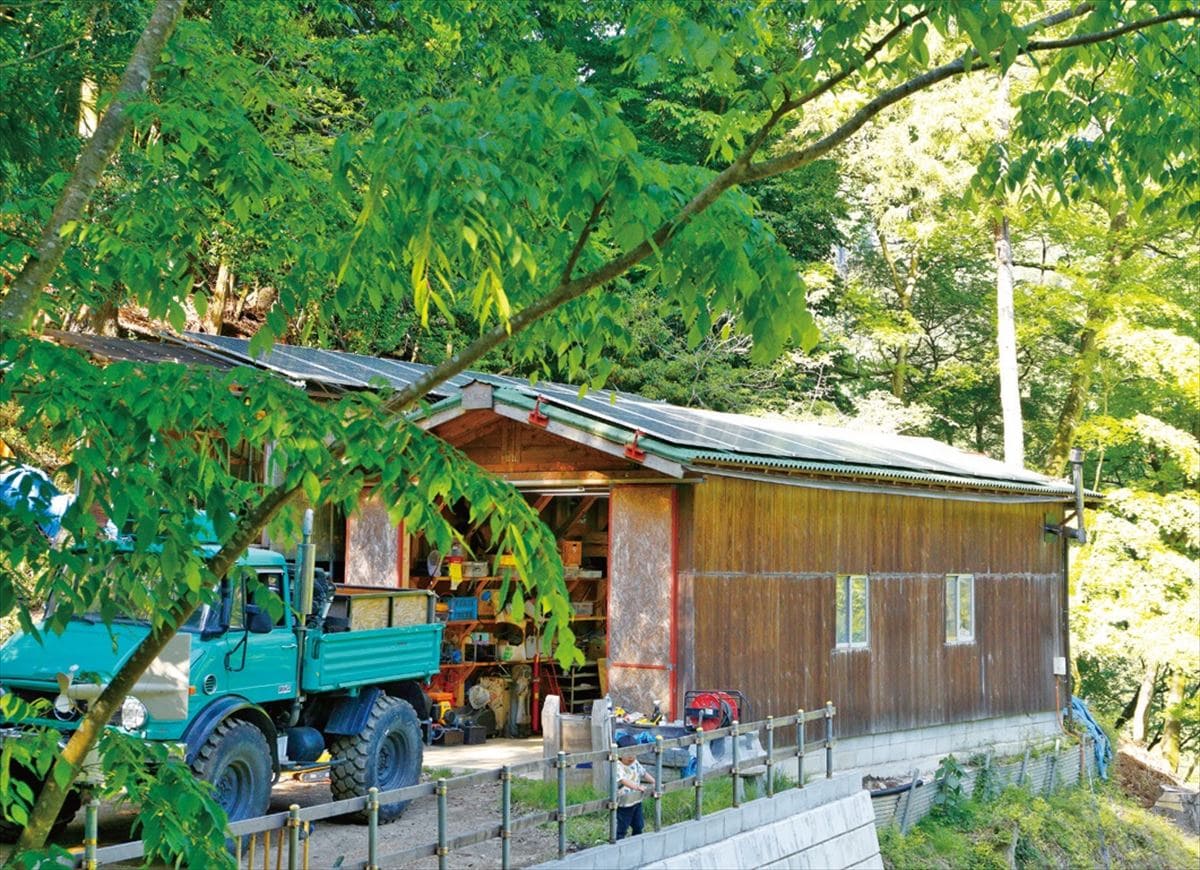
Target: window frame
960, 637
846, 583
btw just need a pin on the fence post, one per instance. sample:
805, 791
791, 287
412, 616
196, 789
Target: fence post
293, 836
800, 729
1049, 785
829, 739
658, 778
442, 850
612, 792
561, 764
908, 801
90, 833
1024, 764
735, 773
372, 828
505, 815
699, 774
770, 756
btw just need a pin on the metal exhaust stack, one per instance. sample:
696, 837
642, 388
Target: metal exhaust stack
306, 564
1079, 533
306, 560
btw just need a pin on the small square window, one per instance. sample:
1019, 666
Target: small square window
853, 613
960, 608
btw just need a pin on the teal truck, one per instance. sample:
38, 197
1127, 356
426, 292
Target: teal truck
245, 697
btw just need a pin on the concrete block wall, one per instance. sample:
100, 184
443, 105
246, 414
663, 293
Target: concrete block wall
898, 752
827, 824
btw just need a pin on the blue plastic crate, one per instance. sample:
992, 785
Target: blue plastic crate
463, 608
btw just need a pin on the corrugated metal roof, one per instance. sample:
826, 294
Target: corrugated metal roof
673, 432
327, 367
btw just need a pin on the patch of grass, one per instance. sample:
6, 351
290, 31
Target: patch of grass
432, 774
679, 806
1067, 829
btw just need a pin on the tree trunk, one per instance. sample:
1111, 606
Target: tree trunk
18, 307
214, 318
1006, 326
1128, 711
1006, 340
1141, 713
1087, 354
905, 287
1172, 726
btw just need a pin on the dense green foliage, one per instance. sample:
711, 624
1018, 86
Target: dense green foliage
1071, 828
539, 184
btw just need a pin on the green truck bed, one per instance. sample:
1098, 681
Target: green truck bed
359, 658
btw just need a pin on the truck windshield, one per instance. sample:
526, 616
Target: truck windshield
120, 604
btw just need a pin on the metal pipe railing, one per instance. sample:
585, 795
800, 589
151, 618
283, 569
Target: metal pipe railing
292, 828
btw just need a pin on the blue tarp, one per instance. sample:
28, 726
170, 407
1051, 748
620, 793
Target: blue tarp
1100, 745
29, 490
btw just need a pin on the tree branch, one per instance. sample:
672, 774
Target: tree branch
582, 240
1040, 266
16, 61
876, 47
1105, 35
19, 305
969, 63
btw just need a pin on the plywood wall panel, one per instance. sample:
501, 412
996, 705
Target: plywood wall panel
372, 547
641, 594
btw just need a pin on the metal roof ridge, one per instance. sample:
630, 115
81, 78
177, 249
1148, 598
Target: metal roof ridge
700, 462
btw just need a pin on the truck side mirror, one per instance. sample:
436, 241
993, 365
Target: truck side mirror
219, 617
258, 621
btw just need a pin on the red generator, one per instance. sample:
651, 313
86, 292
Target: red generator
710, 709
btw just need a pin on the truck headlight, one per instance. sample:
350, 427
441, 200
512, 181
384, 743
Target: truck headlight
133, 714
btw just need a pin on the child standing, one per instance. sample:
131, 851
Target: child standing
631, 788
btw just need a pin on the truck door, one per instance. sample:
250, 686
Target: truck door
261, 667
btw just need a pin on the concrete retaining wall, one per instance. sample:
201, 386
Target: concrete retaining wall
827, 824
899, 752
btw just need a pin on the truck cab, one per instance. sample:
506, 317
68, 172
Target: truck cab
248, 689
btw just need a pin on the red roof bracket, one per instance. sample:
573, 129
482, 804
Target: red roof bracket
632, 451
536, 417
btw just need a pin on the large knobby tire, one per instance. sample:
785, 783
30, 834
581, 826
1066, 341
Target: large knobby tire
386, 754
236, 759
10, 831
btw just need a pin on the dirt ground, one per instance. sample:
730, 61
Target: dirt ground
1139, 779
470, 810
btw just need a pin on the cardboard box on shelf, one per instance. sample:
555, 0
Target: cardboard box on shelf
571, 552
475, 569
583, 608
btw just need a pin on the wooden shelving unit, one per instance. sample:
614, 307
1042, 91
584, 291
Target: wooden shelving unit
579, 519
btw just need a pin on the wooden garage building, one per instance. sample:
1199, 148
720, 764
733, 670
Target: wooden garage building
912, 583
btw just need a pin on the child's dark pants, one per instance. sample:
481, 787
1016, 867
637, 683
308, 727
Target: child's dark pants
630, 817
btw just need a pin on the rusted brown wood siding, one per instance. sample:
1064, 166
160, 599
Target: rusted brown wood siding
759, 562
